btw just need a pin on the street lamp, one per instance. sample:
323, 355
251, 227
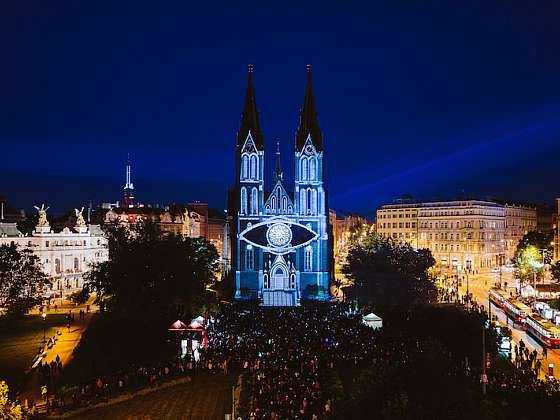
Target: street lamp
44, 316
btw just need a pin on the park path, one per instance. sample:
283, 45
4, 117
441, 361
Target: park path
64, 348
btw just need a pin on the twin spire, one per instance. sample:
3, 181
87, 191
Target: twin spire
250, 116
308, 122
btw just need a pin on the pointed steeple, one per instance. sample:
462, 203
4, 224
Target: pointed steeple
308, 122
278, 171
250, 116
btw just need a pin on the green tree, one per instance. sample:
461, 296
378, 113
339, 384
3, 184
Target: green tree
22, 280
8, 409
533, 251
150, 276
387, 273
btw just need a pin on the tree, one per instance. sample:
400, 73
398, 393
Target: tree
533, 251
22, 280
387, 273
8, 409
150, 276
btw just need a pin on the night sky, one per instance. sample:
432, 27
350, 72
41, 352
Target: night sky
434, 98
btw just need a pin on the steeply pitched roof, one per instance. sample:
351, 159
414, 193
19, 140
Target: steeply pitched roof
250, 116
308, 122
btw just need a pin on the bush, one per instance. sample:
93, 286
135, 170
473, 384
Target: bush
80, 297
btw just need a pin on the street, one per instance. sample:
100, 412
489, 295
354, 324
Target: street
478, 286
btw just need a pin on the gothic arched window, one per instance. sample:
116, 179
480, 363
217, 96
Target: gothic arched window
254, 201
254, 174
312, 169
308, 258
244, 167
284, 204
273, 203
304, 169
309, 200
313, 202
243, 200
249, 258
303, 201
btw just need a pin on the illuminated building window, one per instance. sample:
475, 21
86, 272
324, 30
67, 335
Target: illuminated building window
312, 168
254, 167
308, 258
243, 200
254, 201
304, 169
249, 258
244, 167
313, 204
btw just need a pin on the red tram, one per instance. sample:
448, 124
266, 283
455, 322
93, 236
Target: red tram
543, 330
497, 297
517, 311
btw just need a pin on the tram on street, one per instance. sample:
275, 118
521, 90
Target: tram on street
497, 297
517, 311
543, 330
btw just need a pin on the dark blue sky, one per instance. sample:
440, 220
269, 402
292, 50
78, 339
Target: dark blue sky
434, 98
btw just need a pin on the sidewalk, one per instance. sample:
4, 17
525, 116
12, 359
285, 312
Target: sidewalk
64, 347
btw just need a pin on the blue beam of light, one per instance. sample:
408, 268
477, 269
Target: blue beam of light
471, 161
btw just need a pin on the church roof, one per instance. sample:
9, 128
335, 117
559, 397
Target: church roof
308, 122
250, 116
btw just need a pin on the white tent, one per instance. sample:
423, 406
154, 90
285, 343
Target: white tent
372, 320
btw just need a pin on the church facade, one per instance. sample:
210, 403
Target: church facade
280, 249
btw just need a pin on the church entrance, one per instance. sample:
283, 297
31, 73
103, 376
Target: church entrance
281, 291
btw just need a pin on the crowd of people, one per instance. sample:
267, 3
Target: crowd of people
287, 353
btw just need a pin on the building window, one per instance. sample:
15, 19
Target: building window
76, 263
243, 200
254, 174
284, 204
47, 243
254, 201
57, 266
303, 201
244, 167
304, 169
249, 258
313, 204
308, 259
312, 169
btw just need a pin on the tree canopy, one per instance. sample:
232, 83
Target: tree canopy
22, 280
533, 251
150, 276
388, 273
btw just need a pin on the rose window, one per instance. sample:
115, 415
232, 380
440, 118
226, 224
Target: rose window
279, 235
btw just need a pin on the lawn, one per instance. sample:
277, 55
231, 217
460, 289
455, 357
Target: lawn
206, 398
21, 340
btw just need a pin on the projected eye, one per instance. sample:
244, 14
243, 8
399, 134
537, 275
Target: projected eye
278, 236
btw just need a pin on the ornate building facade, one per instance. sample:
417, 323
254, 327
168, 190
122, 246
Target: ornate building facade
65, 255
278, 239
472, 234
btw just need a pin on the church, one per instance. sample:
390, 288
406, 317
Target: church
279, 241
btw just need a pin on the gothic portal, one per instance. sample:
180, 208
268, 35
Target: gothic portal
279, 238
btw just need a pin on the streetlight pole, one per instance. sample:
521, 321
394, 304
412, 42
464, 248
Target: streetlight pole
484, 377
44, 316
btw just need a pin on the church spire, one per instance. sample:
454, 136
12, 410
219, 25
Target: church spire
250, 116
308, 122
278, 171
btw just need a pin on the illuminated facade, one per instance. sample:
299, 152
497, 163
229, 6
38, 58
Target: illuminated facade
466, 233
278, 239
520, 220
65, 255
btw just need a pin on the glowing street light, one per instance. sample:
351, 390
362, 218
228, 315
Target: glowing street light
44, 316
